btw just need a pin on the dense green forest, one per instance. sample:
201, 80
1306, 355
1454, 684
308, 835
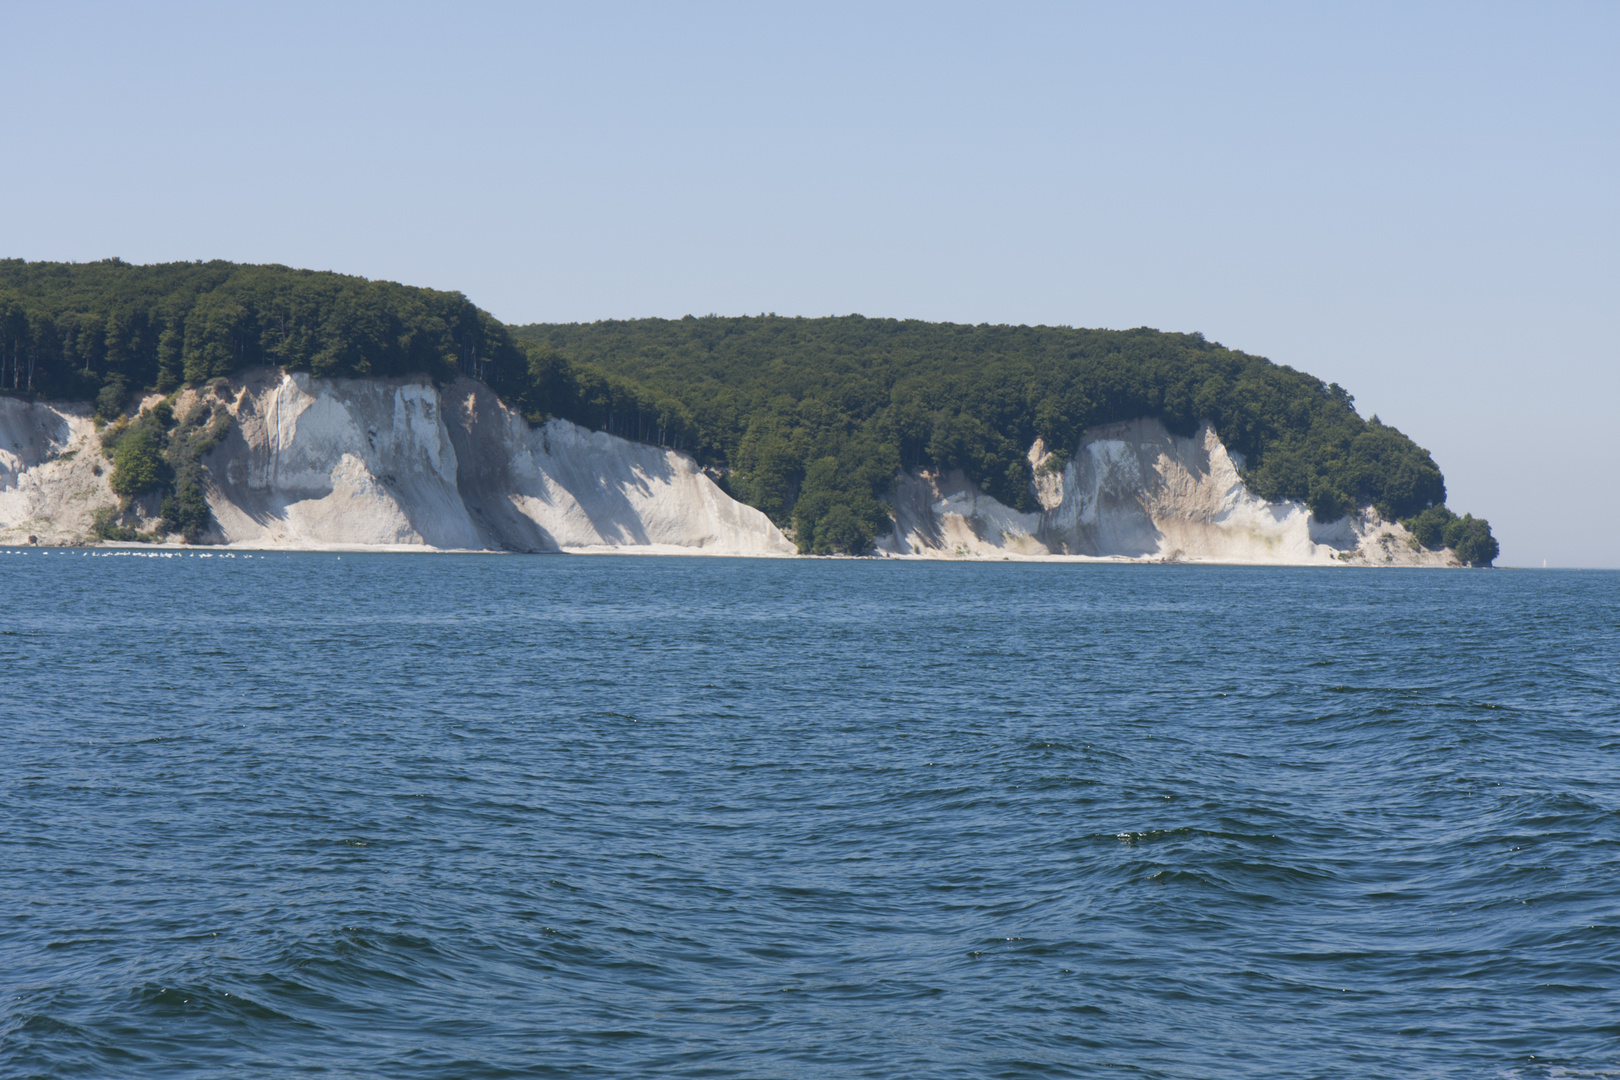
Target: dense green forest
807, 419
74, 330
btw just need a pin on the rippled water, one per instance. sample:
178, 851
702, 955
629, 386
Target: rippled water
405, 816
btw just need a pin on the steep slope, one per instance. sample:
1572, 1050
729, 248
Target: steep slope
398, 463
1135, 491
52, 475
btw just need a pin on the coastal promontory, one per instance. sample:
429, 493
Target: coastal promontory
217, 403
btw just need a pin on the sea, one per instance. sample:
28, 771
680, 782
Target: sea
462, 816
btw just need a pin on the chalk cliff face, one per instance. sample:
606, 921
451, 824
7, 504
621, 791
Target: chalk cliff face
391, 464
52, 475
401, 464
1134, 491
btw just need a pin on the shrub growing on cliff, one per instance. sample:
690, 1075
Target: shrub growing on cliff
110, 401
833, 515
185, 507
1429, 527
185, 510
138, 464
157, 453
1470, 537
1327, 502
106, 526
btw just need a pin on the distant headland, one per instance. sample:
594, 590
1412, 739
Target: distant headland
218, 403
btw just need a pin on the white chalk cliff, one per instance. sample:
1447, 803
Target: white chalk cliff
52, 475
1136, 492
391, 464
399, 464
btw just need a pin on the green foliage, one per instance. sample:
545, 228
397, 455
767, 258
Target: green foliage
110, 401
1470, 537
836, 511
769, 398
74, 330
1429, 527
185, 508
553, 387
155, 452
807, 419
138, 464
1326, 501
1056, 461
107, 526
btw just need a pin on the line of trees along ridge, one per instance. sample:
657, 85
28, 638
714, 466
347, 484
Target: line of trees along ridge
807, 419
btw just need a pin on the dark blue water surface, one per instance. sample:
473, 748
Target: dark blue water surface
408, 816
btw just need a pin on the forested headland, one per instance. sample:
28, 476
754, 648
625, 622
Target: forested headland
807, 419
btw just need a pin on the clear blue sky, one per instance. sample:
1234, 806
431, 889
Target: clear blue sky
1420, 202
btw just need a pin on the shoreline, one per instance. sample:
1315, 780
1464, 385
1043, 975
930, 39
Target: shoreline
113, 547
